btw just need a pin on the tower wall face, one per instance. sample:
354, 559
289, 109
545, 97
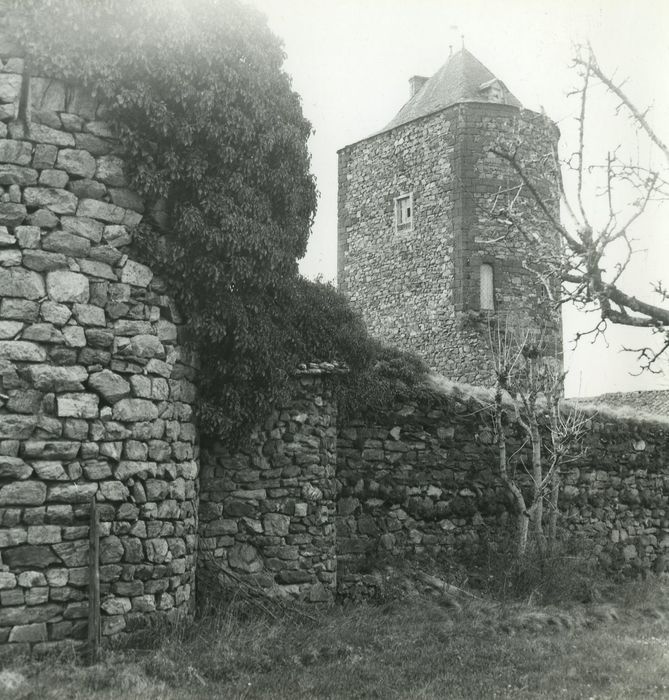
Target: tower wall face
96, 390
418, 287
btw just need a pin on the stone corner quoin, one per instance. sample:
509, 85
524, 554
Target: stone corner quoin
96, 393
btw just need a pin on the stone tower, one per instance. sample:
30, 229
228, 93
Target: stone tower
420, 254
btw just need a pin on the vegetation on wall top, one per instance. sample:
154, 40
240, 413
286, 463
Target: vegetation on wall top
210, 127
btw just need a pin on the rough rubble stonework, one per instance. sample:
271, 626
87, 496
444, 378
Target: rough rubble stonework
95, 391
422, 479
267, 510
417, 287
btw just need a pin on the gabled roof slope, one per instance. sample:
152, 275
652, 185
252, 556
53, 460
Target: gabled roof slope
459, 80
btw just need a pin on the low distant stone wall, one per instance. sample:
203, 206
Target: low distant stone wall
423, 479
95, 390
267, 510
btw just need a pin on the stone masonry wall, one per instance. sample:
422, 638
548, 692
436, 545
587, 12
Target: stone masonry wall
95, 390
422, 479
418, 287
267, 510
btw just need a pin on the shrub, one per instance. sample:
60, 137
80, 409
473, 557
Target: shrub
212, 131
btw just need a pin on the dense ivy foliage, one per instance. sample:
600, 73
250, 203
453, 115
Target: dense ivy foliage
212, 130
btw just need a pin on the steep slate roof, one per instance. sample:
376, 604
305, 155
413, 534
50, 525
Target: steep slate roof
458, 80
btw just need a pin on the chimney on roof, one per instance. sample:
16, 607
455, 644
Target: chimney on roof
416, 82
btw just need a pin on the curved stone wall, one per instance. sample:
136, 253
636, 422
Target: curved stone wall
95, 391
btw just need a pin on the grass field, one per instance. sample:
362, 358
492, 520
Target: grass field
418, 647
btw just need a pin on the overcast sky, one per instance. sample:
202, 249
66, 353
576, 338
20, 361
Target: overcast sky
350, 60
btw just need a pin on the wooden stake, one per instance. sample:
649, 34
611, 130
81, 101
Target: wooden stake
94, 585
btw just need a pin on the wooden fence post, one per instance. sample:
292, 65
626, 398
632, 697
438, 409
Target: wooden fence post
94, 585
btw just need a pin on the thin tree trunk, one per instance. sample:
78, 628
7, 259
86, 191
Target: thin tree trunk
554, 500
522, 523
537, 507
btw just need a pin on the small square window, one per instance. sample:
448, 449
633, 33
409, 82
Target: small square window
404, 211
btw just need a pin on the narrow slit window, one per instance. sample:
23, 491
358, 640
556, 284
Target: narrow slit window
404, 211
487, 288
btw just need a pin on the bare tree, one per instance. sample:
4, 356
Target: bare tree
604, 205
529, 385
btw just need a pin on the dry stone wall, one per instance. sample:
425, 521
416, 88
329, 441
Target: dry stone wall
422, 480
96, 392
267, 510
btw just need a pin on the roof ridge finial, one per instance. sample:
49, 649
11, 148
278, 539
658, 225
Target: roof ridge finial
462, 38
450, 50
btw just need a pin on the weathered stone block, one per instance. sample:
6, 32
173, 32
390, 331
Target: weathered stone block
89, 315
74, 336
45, 156
146, 346
116, 606
127, 199
12, 214
87, 189
129, 327
17, 175
49, 470
11, 538
29, 556
17, 427
14, 468
110, 171
41, 261
35, 632
95, 209
17, 282
76, 162
141, 386
43, 534
10, 87
59, 379
93, 144
7, 580
18, 152
81, 226
71, 493
10, 257
135, 410
106, 254
43, 218
96, 268
21, 351
39, 133
43, 333
57, 201
65, 286
114, 490
46, 93
112, 387
19, 309
244, 557
111, 550
127, 469
79, 405
276, 524
136, 274
66, 243
57, 577
288, 576
117, 236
